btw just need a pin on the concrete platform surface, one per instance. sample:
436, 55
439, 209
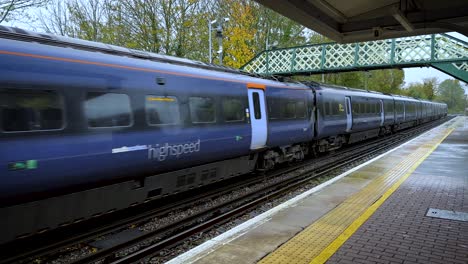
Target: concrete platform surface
374, 213
401, 232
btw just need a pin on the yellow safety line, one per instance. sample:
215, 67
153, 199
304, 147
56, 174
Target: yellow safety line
351, 229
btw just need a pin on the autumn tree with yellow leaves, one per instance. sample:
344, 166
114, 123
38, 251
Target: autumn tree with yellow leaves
240, 34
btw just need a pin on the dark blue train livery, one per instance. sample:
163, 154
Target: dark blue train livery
88, 128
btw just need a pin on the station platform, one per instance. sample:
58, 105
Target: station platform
409, 205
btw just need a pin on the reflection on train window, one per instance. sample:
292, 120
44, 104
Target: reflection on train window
399, 107
335, 108
274, 106
233, 110
202, 110
162, 110
326, 110
301, 111
256, 103
388, 107
108, 109
289, 110
355, 107
30, 110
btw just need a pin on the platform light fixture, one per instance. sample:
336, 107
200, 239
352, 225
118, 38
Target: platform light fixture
210, 28
219, 35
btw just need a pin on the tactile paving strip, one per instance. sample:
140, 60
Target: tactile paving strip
314, 240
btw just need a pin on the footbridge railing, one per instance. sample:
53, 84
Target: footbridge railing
441, 51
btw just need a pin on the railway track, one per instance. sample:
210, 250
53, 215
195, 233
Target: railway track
143, 245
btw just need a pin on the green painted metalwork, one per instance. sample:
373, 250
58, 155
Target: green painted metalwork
457, 70
441, 51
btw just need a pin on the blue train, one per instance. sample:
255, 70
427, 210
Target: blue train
88, 128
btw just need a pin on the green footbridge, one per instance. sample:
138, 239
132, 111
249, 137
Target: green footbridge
441, 51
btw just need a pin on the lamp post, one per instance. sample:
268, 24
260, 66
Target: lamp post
219, 35
210, 23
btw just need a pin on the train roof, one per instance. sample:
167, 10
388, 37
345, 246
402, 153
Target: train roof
79, 44
206, 69
61, 41
323, 86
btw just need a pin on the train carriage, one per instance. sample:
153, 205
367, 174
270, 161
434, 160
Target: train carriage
349, 115
87, 128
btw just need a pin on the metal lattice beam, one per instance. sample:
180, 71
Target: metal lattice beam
441, 51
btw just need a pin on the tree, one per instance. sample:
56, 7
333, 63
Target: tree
425, 90
387, 81
240, 34
451, 92
55, 18
10, 8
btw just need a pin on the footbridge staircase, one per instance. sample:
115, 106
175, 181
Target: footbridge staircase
441, 51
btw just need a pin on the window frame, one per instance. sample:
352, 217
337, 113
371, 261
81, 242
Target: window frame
257, 105
61, 98
215, 118
298, 102
223, 100
167, 124
287, 102
86, 119
273, 104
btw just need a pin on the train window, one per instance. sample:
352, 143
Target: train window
326, 110
108, 109
289, 110
274, 106
202, 110
301, 111
30, 110
335, 108
355, 107
162, 110
401, 108
233, 110
256, 103
387, 107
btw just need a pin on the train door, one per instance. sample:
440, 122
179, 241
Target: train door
258, 117
382, 113
349, 114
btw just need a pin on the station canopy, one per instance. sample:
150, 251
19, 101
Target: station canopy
347, 21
